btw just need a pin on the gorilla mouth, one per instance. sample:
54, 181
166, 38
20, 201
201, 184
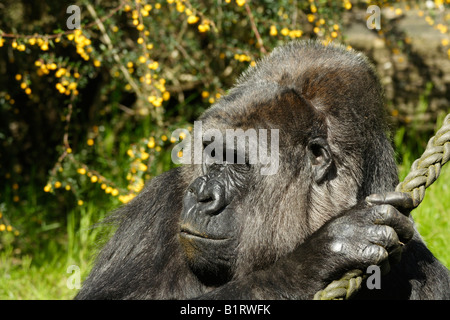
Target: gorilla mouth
188, 232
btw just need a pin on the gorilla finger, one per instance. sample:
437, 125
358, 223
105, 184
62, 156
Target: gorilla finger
401, 200
373, 254
383, 236
390, 216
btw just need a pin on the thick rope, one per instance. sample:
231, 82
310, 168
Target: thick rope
424, 171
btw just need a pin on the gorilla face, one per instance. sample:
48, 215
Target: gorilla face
209, 230
209, 225
220, 209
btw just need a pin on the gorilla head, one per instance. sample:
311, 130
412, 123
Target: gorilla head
222, 229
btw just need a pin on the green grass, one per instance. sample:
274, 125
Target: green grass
432, 217
43, 274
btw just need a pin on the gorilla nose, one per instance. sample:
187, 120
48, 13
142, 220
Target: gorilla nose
209, 194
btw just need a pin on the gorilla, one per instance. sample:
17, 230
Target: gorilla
220, 229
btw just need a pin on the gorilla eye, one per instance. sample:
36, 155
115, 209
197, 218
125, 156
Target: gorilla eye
316, 150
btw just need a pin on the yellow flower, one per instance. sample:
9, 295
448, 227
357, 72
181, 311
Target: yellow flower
60, 72
2, 227
80, 202
153, 66
114, 192
192, 19
142, 59
157, 102
47, 188
9, 228
203, 27
240, 3
166, 96
57, 184
68, 187
180, 7
273, 30
81, 170
151, 143
140, 40
285, 31
97, 63
18, 77
90, 142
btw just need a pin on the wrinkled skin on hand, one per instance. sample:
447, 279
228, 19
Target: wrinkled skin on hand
372, 235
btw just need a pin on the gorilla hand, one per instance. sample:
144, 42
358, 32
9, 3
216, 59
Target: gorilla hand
373, 235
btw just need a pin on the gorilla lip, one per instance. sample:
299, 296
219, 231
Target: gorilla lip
188, 232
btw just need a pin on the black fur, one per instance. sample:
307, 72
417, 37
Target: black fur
228, 232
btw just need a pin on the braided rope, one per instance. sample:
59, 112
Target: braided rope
424, 171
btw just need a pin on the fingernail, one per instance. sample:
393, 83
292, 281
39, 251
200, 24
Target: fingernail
374, 198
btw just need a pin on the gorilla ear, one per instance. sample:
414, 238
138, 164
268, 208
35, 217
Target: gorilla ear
319, 154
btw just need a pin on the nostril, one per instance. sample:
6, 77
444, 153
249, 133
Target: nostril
204, 197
